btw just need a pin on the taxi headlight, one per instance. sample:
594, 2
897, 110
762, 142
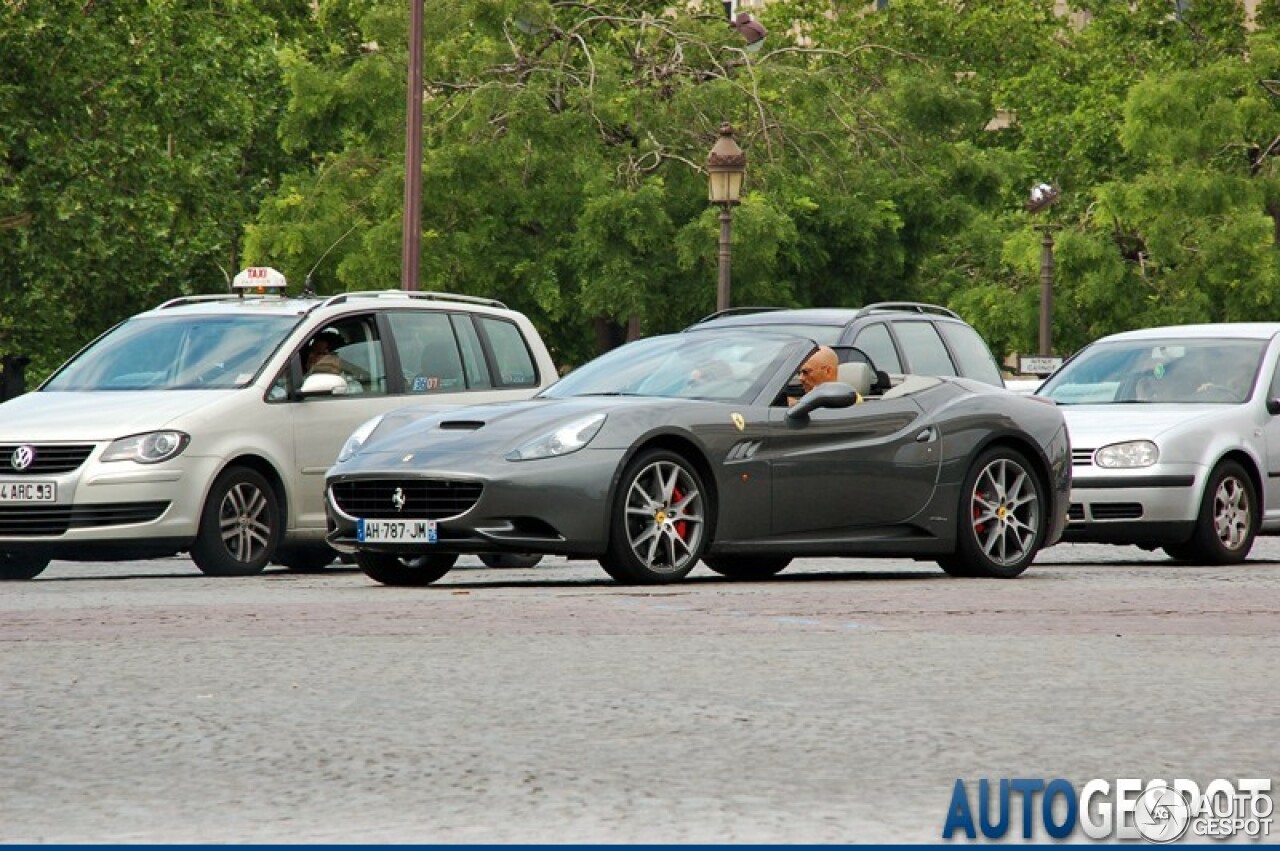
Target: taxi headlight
567, 438
1121, 456
358, 437
150, 448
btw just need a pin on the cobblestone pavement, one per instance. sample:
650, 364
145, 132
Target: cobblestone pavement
144, 702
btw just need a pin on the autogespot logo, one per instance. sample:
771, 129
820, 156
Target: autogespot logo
1127, 808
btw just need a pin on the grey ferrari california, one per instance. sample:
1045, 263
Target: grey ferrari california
694, 446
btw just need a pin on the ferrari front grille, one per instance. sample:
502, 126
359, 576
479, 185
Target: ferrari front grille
416, 499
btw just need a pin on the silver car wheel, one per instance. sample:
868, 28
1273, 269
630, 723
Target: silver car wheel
664, 517
1231, 518
1006, 511
245, 522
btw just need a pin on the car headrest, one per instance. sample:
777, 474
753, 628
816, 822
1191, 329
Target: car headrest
858, 375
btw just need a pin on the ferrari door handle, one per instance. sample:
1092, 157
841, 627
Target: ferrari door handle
925, 436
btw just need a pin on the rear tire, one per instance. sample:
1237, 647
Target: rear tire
747, 567
18, 567
1000, 525
239, 525
1228, 519
407, 572
658, 522
510, 560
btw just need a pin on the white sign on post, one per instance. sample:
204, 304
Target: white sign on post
1042, 365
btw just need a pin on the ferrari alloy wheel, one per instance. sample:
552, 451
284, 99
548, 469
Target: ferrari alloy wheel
659, 520
1001, 522
411, 571
239, 526
1228, 519
16, 567
747, 567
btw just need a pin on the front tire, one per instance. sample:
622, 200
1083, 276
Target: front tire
239, 525
510, 560
747, 567
1002, 517
408, 571
658, 522
19, 567
1228, 518
306, 559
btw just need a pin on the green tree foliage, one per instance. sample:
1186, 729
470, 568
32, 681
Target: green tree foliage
137, 138
563, 158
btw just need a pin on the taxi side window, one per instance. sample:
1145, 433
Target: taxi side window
428, 352
510, 351
473, 359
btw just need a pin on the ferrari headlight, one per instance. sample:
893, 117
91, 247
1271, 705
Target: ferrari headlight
150, 448
358, 437
567, 438
1124, 456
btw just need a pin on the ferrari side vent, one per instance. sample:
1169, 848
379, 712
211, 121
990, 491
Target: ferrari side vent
461, 425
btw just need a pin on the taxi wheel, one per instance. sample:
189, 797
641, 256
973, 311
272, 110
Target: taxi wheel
239, 527
15, 567
416, 571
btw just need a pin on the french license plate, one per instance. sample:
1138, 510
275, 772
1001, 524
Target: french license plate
396, 531
28, 491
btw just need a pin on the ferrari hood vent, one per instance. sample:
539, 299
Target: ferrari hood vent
461, 425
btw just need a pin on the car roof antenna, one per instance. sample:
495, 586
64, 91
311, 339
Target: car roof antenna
307, 288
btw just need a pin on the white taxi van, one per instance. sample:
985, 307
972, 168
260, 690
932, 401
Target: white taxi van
206, 425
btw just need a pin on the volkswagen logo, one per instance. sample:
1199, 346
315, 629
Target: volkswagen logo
23, 457
398, 499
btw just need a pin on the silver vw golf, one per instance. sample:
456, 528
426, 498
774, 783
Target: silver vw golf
1175, 436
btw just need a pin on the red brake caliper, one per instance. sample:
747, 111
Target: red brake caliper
977, 510
682, 526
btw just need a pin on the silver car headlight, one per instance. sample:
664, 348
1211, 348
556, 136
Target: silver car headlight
358, 437
150, 448
1126, 456
567, 438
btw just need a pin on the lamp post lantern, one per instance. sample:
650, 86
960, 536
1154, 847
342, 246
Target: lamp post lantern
1044, 196
726, 168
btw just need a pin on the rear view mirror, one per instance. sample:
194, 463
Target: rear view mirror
323, 384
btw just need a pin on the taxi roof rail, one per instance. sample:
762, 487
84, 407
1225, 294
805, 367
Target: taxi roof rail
339, 298
192, 299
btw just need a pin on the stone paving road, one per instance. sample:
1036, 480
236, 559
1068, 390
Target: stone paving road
143, 702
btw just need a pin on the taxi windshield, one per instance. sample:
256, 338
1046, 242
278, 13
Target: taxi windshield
175, 353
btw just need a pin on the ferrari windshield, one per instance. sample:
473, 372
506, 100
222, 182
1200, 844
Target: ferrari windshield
1155, 371
175, 353
722, 367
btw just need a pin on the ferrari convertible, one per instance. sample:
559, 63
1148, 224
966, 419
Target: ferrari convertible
690, 447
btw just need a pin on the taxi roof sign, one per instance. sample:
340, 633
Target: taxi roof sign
259, 279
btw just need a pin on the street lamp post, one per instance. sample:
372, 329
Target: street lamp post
726, 168
1046, 290
1044, 196
412, 224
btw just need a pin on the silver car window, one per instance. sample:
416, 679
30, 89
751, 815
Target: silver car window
1196, 371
